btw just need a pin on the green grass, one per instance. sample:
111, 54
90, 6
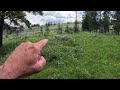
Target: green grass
75, 56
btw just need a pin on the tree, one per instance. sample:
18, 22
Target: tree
94, 21
47, 28
116, 24
41, 29
76, 25
47, 31
90, 22
15, 17
86, 21
35, 25
67, 28
59, 28
100, 24
106, 21
49, 23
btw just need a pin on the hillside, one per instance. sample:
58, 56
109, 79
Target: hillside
74, 56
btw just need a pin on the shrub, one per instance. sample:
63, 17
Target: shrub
63, 38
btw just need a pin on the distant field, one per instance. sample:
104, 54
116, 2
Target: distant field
73, 56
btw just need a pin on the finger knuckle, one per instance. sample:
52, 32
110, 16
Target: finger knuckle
33, 47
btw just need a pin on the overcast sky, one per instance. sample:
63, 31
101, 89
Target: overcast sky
54, 17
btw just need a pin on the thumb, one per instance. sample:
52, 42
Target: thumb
40, 64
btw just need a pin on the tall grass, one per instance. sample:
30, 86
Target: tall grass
75, 56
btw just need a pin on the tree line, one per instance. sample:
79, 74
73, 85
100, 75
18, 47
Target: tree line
101, 21
92, 21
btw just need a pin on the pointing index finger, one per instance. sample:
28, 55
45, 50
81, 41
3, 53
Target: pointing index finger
41, 44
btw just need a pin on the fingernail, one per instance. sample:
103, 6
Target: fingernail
46, 39
42, 57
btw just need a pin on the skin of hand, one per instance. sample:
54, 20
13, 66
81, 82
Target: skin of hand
25, 60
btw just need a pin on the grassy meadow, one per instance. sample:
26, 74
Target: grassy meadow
84, 55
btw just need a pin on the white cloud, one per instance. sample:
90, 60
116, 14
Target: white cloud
54, 17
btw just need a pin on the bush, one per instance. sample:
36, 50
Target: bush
63, 38
35, 25
68, 29
59, 31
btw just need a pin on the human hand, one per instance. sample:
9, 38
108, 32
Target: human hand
25, 60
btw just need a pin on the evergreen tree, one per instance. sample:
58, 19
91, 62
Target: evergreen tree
100, 23
116, 23
106, 21
59, 28
15, 17
47, 31
86, 21
94, 21
90, 22
76, 25
67, 28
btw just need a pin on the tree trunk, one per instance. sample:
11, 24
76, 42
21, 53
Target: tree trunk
76, 26
1, 29
100, 23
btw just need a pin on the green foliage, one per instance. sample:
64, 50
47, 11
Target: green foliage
96, 21
116, 23
35, 25
16, 18
59, 31
68, 29
105, 22
74, 56
76, 28
78, 55
64, 38
89, 22
86, 22
41, 30
47, 31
